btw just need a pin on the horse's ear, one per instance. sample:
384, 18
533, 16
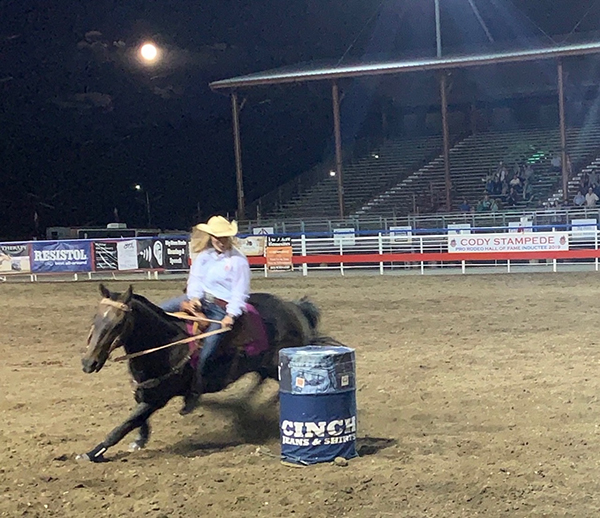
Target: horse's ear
128, 294
104, 291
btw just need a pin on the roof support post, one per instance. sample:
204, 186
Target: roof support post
563, 131
237, 144
337, 130
446, 140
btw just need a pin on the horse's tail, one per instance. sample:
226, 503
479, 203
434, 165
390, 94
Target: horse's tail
310, 311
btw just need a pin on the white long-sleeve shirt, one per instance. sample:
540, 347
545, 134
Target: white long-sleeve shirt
224, 275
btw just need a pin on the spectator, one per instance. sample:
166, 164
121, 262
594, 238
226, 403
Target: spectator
528, 173
579, 199
464, 206
494, 205
485, 204
591, 198
527, 192
511, 200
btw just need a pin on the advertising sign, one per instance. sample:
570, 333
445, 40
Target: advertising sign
584, 228
459, 228
105, 256
344, 236
509, 242
279, 254
14, 258
176, 254
263, 231
402, 234
252, 246
127, 258
61, 256
151, 255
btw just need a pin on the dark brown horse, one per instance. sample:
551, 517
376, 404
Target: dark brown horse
133, 322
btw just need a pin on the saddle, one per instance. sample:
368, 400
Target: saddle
248, 335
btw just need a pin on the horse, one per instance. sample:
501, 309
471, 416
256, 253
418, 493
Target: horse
133, 322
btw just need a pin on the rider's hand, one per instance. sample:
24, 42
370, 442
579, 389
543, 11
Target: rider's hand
227, 321
190, 306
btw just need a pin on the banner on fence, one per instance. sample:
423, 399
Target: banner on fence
105, 256
584, 228
344, 237
401, 234
150, 254
15, 258
510, 242
127, 257
459, 228
252, 246
61, 256
279, 254
176, 254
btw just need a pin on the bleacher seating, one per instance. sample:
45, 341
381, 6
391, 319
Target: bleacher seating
406, 176
470, 161
363, 178
583, 145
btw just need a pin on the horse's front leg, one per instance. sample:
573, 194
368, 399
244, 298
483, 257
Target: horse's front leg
142, 438
138, 418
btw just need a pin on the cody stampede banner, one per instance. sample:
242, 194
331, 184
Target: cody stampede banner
512, 242
14, 258
61, 256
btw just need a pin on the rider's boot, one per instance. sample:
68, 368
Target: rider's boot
192, 398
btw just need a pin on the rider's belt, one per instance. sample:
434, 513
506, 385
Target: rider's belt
210, 298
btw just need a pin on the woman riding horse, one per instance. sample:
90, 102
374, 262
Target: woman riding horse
161, 373
218, 286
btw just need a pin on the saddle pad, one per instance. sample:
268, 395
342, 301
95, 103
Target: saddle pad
257, 344
260, 342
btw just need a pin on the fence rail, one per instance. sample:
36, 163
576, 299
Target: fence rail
463, 250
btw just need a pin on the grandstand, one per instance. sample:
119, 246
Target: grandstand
363, 178
406, 176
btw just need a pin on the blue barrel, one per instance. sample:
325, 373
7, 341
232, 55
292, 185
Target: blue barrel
317, 395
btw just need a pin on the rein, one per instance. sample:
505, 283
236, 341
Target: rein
182, 316
178, 342
192, 318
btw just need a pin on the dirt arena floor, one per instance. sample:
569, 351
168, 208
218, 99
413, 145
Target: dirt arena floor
478, 396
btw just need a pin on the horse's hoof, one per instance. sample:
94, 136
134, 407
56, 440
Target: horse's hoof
85, 457
134, 446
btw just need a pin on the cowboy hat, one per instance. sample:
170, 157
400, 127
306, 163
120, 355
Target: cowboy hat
218, 226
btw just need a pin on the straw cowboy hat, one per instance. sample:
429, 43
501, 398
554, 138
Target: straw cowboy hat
218, 226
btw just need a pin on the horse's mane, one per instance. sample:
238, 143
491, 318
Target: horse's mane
159, 312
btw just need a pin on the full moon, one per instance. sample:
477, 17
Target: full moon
149, 52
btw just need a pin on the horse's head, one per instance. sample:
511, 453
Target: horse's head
109, 330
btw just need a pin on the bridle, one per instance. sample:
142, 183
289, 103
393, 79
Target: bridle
115, 304
120, 306
182, 316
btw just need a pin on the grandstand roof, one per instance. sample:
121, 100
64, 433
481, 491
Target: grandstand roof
298, 74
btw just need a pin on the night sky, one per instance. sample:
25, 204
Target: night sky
82, 121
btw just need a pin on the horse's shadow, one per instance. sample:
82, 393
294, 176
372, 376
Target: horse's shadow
372, 445
250, 424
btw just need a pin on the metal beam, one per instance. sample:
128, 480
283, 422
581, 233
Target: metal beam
337, 130
446, 140
235, 110
563, 131
398, 67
